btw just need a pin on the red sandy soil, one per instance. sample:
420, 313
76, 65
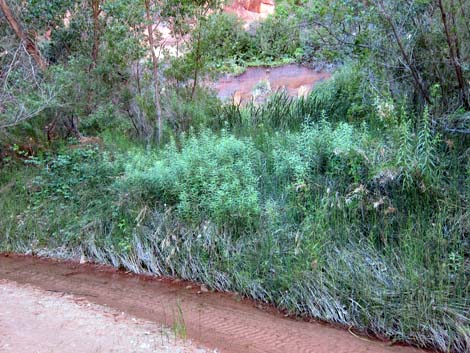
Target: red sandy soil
215, 320
33, 320
295, 79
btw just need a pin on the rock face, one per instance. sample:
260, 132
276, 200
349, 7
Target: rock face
250, 11
257, 6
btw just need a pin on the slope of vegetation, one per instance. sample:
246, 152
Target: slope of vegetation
350, 205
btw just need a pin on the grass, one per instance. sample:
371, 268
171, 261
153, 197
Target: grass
179, 326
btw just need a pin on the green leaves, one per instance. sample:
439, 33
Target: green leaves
67, 174
212, 178
319, 149
402, 44
43, 14
277, 37
418, 155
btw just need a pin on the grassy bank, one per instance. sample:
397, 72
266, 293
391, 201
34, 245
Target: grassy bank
326, 207
360, 221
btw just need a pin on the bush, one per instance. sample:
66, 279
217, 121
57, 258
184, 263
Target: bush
320, 149
219, 43
211, 178
183, 112
226, 39
316, 221
417, 157
345, 96
63, 199
277, 37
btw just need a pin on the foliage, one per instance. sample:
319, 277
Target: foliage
24, 95
224, 38
221, 44
44, 13
395, 46
277, 37
417, 155
51, 198
66, 172
320, 149
344, 95
183, 113
212, 178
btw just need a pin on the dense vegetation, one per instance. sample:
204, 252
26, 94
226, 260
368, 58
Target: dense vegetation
350, 205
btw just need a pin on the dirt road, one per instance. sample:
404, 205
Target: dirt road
214, 320
33, 320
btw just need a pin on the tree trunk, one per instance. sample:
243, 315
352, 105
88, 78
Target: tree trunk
454, 53
158, 108
196, 63
29, 43
95, 7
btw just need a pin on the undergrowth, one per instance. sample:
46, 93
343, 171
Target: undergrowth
362, 221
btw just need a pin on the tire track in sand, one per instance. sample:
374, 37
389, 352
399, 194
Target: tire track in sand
215, 320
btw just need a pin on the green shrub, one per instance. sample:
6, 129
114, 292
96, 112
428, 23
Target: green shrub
63, 198
71, 170
417, 158
306, 220
317, 165
183, 112
211, 178
345, 96
219, 44
320, 149
277, 37
226, 39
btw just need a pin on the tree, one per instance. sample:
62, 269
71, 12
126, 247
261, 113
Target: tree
24, 93
192, 15
411, 48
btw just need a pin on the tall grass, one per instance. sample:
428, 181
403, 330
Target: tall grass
341, 96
